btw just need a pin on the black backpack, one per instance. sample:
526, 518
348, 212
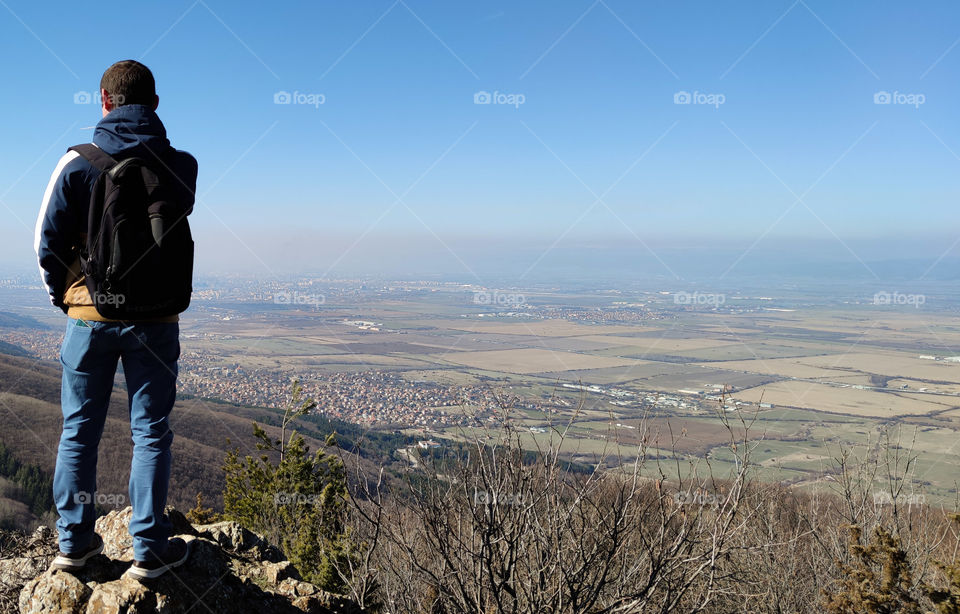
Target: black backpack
138, 257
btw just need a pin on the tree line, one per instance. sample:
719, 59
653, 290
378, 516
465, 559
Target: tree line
35, 485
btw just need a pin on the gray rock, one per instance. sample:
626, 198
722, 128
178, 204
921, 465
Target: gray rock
230, 535
54, 592
113, 528
121, 596
17, 571
230, 569
278, 572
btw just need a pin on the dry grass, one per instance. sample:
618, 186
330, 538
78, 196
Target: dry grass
530, 360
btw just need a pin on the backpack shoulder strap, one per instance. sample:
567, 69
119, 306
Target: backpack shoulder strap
95, 156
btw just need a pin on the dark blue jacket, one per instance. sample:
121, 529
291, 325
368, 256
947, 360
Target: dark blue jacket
127, 131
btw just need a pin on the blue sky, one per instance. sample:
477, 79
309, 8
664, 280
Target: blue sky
598, 151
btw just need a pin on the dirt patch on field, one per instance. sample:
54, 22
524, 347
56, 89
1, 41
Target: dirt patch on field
796, 457
530, 360
684, 435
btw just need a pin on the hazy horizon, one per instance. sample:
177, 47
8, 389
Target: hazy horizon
520, 260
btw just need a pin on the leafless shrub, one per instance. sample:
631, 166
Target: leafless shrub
505, 522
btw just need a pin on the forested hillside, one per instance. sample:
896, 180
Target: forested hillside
30, 423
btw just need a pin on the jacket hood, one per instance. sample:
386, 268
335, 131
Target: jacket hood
131, 130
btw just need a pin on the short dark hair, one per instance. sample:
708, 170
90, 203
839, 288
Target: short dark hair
129, 82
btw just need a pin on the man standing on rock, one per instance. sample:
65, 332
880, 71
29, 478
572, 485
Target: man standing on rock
116, 256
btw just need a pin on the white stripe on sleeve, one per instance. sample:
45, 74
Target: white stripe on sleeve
48, 198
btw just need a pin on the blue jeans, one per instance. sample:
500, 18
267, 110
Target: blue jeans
89, 356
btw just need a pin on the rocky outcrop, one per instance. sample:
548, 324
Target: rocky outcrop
230, 570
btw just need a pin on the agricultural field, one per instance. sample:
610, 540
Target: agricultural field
803, 382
